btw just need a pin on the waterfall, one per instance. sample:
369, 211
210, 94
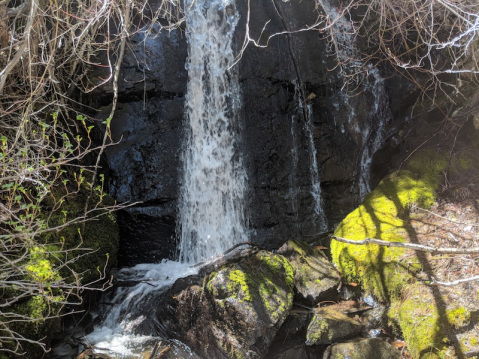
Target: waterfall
315, 180
373, 136
211, 215
211, 201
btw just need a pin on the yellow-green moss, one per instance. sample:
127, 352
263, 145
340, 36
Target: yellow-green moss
101, 235
51, 249
277, 263
239, 279
458, 317
424, 328
256, 279
384, 215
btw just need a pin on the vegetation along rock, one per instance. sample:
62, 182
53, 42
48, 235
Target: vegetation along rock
315, 277
329, 325
238, 309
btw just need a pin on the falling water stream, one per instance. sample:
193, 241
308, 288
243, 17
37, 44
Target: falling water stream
211, 215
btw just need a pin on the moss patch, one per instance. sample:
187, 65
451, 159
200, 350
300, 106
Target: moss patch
424, 326
384, 214
52, 249
431, 321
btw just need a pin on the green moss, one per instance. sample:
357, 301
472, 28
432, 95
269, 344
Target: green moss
384, 215
99, 236
239, 279
257, 280
458, 317
52, 249
277, 263
424, 330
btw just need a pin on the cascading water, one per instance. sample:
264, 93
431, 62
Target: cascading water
315, 180
372, 131
211, 203
373, 138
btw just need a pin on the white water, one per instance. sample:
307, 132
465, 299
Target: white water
129, 307
211, 210
315, 179
373, 137
211, 214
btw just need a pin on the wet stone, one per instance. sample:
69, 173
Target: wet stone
329, 325
362, 348
315, 277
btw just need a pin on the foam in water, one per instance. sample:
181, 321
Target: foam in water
129, 307
211, 214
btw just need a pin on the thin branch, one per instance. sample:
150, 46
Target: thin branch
413, 246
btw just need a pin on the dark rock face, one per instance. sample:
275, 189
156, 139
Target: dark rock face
288, 92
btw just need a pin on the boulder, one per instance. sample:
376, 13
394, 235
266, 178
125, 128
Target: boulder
362, 348
236, 311
329, 325
315, 278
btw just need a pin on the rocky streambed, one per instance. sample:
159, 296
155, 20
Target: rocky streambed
253, 303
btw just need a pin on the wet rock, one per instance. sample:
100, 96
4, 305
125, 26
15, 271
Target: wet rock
236, 311
374, 319
299, 353
329, 325
362, 348
289, 340
315, 277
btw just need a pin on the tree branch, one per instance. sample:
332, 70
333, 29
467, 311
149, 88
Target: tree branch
413, 246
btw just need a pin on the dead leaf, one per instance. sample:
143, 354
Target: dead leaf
398, 344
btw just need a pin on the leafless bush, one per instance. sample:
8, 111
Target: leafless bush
47, 48
433, 37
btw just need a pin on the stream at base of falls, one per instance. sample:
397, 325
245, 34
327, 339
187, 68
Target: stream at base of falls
127, 324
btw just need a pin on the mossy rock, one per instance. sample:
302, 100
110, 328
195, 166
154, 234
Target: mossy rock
329, 325
425, 319
100, 236
238, 309
425, 324
315, 277
384, 214
97, 239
